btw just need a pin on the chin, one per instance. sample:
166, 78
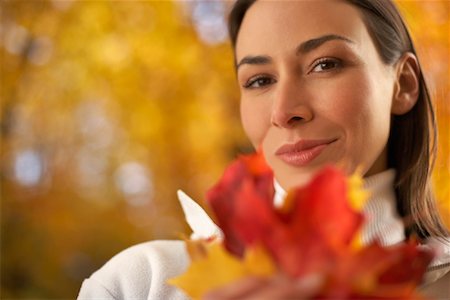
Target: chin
291, 180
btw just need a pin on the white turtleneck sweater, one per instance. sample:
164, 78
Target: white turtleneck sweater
141, 272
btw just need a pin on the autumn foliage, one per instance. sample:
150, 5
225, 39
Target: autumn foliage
92, 91
315, 232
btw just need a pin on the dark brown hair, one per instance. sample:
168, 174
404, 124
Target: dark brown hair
412, 139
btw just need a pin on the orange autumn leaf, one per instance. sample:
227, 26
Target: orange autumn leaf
313, 233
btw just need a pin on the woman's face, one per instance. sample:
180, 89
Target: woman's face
314, 90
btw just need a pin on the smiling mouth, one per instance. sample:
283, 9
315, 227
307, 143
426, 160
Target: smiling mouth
302, 152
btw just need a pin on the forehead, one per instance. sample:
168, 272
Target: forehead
281, 25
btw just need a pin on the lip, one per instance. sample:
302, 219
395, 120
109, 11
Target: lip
302, 152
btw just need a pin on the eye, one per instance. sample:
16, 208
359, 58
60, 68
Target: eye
258, 82
326, 64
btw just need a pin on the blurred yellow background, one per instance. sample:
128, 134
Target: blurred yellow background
109, 107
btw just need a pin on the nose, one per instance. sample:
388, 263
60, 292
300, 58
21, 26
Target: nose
291, 105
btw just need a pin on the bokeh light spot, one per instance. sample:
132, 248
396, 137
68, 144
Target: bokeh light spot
134, 181
209, 20
28, 167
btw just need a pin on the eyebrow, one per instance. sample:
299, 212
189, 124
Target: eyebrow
312, 44
254, 60
303, 48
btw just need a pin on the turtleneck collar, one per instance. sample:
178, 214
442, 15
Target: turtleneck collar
382, 220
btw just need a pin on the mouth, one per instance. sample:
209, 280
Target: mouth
302, 152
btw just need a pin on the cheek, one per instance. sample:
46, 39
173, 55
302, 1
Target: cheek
359, 102
254, 121
351, 97
364, 115
353, 108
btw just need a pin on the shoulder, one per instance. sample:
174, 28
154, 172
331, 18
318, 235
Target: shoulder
139, 272
437, 279
439, 288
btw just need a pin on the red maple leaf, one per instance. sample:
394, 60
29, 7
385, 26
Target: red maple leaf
246, 172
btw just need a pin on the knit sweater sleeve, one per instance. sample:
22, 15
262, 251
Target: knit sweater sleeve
139, 272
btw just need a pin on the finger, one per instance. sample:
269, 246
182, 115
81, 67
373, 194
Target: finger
274, 290
236, 290
287, 288
309, 285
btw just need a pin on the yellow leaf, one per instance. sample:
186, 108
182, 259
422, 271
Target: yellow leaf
356, 194
258, 262
357, 197
218, 268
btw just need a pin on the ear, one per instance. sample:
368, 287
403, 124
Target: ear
406, 90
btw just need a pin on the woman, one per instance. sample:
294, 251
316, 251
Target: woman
321, 82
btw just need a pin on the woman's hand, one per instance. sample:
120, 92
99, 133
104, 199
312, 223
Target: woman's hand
277, 287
